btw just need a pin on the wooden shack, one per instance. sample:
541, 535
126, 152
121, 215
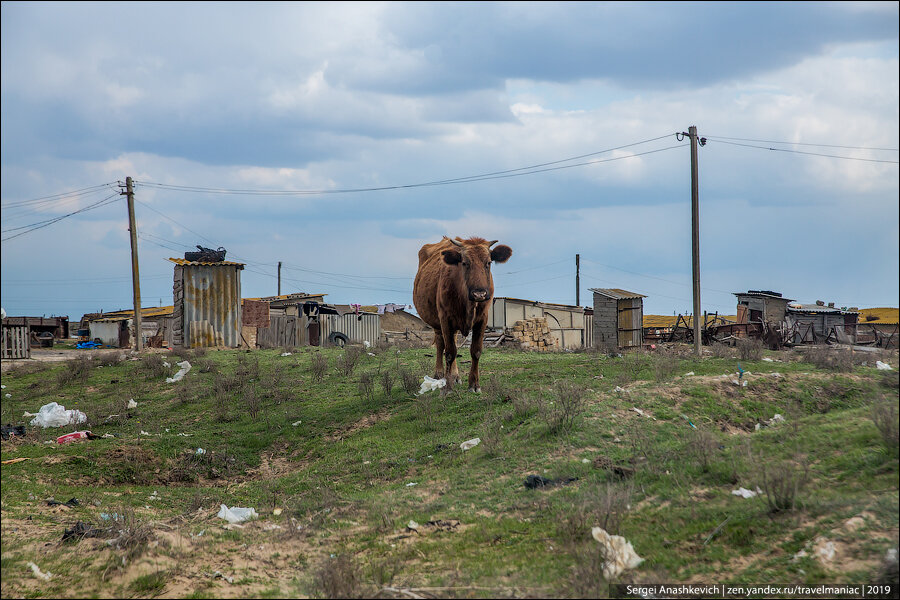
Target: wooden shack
618, 318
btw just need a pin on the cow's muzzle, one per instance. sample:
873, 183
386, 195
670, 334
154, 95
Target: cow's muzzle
478, 295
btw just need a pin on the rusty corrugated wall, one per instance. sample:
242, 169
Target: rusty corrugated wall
207, 304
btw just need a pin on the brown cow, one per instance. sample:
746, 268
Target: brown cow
453, 292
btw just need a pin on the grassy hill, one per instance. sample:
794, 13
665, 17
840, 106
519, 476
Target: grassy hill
338, 454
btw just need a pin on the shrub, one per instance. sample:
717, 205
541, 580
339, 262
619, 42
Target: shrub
154, 366
409, 382
366, 386
339, 577
783, 482
75, 371
702, 447
749, 348
884, 415
387, 382
720, 350
319, 367
347, 361
563, 411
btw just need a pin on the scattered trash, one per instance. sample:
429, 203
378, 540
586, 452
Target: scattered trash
81, 531
585, 461
37, 571
218, 575
767, 423
145, 433
688, 374
642, 413
882, 366
71, 502
77, 435
469, 444
619, 553
411, 483
739, 383
107, 435
430, 384
6, 431
132, 403
685, 417
370, 353
825, 550
185, 367
767, 359
236, 514
285, 354
112, 517
536, 481
15, 460
745, 493
277, 511
619, 390
776, 419
8, 395
412, 525
296, 423
56, 415
200, 452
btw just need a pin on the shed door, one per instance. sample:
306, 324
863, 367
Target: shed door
630, 322
313, 330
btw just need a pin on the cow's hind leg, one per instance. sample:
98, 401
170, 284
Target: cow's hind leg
477, 346
439, 354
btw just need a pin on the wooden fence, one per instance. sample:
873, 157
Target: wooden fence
16, 343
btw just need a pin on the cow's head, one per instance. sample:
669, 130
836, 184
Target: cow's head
473, 257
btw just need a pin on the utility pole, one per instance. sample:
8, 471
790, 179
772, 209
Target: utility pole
695, 233
577, 280
279, 277
135, 276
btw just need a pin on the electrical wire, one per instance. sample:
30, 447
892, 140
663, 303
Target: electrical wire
875, 160
540, 168
737, 139
72, 194
41, 224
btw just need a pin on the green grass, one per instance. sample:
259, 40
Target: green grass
341, 474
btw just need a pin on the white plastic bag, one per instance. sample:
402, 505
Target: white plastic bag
55, 415
469, 444
185, 367
429, 384
618, 552
236, 514
882, 366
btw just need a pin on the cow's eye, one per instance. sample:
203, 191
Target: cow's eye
465, 264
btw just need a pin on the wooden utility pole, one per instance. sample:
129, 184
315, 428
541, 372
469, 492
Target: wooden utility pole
279, 277
577, 280
695, 235
135, 276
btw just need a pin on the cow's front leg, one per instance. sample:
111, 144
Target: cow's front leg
452, 368
439, 354
477, 346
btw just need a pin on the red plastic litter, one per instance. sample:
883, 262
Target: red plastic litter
71, 437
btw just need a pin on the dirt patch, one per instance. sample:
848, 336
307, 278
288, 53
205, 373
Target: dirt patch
364, 423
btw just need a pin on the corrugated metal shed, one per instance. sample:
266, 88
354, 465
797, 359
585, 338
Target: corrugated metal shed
207, 303
364, 327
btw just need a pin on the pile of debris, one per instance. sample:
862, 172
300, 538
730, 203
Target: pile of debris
534, 334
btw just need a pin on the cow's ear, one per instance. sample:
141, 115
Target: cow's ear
452, 257
501, 254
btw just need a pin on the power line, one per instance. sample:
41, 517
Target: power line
875, 160
47, 222
71, 194
716, 137
531, 170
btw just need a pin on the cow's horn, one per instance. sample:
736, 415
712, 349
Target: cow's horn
492, 243
455, 243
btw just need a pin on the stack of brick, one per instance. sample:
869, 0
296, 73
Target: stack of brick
534, 334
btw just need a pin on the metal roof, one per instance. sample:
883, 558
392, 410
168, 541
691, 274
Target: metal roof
192, 263
763, 294
616, 293
550, 305
816, 308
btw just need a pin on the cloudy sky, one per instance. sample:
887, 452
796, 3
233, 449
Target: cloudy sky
338, 138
